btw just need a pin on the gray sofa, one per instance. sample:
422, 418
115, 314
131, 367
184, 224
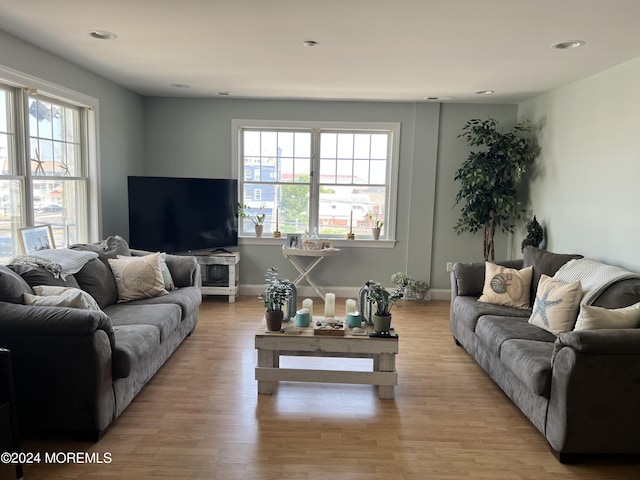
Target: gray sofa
581, 389
75, 370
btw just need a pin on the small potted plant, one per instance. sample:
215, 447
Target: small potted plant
376, 224
404, 282
381, 301
276, 294
420, 287
245, 211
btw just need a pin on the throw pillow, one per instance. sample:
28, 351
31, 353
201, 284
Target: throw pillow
506, 286
169, 284
89, 303
544, 263
72, 297
594, 318
137, 277
12, 286
556, 305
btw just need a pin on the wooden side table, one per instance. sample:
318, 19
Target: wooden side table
231, 260
292, 255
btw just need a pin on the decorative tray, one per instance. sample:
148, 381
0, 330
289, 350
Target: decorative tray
333, 329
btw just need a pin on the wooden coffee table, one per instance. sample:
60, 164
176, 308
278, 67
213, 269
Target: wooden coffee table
270, 346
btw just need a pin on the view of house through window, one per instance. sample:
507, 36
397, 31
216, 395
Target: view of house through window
43, 178
327, 180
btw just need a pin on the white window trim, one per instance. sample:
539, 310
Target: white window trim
18, 79
393, 127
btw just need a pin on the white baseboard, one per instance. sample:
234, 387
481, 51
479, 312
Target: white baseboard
305, 291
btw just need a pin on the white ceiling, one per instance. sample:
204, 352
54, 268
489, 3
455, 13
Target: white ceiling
367, 49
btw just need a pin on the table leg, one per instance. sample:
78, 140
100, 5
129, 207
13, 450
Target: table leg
269, 359
385, 362
304, 273
232, 281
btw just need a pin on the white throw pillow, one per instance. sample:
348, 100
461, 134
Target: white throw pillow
506, 286
556, 306
89, 303
72, 298
594, 318
137, 277
169, 284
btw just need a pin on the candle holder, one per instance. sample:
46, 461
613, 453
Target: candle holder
351, 236
277, 234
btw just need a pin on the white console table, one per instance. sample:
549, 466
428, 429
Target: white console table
230, 287
291, 254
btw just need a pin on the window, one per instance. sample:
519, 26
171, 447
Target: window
325, 177
44, 150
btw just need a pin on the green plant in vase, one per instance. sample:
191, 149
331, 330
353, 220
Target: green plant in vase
276, 294
382, 301
256, 217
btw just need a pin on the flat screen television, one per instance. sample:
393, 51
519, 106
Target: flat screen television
180, 215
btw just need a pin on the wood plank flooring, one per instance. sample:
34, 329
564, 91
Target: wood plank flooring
200, 417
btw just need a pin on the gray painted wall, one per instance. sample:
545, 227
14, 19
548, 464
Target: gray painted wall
192, 137
120, 122
585, 191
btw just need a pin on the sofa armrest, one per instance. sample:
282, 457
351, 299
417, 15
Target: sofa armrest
53, 321
184, 268
606, 342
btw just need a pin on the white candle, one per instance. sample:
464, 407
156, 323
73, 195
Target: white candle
350, 306
276, 219
308, 303
285, 311
330, 305
351, 222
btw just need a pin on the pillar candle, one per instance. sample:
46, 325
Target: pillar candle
285, 311
350, 306
276, 219
351, 222
308, 303
330, 305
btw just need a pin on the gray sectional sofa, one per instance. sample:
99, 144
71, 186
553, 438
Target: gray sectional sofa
581, 389
76, 370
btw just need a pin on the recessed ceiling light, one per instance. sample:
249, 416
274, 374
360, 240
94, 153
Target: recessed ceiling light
485, 92
102, 35
438, 99
310, 43
224, 94
568, 45
179, 85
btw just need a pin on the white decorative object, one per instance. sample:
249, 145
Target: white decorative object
308, 304
350, 306
330, 305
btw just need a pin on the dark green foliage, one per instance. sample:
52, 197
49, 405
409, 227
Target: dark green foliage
535, 234
490, 176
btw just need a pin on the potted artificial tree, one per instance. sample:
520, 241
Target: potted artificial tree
381, 300
276, 295
245, 211
489, 178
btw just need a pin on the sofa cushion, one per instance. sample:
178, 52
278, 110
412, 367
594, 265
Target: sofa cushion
506, 286
189, 299
544, 263
12, 286
169, 284
556, 306
493, 331
96, 279
165, 318
530, 362
620, 294
595, 318
39, 276
470, 276
132, 344
108, 248
137, 277
468, 310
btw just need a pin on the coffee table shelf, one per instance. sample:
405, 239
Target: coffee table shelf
271, 346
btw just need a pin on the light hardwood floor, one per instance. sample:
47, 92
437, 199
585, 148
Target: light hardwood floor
200, 417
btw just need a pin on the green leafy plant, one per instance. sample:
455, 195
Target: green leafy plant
245, 211
401, 279
420, 286
277, 291
535, 234
490, 176
374, 218
381, 297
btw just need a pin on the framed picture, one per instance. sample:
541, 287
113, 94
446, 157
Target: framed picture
293, 240
37, 238
324, 244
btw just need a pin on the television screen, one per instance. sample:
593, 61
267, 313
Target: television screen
178, 215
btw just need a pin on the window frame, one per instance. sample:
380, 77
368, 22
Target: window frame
392, 128
23, 85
